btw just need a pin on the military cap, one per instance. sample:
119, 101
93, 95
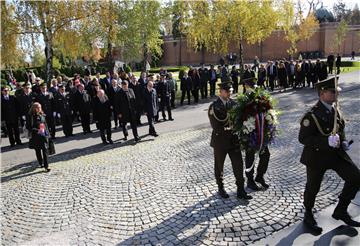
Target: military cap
28, 84
327, 84
61, 86
249, 81
225, 86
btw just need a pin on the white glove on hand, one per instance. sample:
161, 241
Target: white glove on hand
23, 117
58, 115
345, 145
54, 114
334, 141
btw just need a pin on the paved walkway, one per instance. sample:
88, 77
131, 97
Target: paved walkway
162, 191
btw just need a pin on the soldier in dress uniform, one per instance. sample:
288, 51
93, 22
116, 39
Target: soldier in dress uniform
224, 142
46, 99
324, 150
64, 110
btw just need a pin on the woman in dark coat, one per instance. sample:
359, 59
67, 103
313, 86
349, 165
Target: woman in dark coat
102, 115
261, 76
282, 75
39, 135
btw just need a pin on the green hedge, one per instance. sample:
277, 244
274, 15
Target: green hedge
350, 64
169, 69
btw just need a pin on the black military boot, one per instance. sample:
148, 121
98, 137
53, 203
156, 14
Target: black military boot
241, 193
252, 185
261, 181
222, 192
340, 213
311, 223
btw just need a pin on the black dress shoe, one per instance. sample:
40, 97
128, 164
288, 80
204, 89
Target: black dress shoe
222, 192
47, 170
19, 143
171, 119
105, 143
252, 185
41, 165
125, 138
243, 195
137, 139
344, 216
311, 223
261, 181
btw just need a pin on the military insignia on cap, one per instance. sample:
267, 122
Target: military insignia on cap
306, 122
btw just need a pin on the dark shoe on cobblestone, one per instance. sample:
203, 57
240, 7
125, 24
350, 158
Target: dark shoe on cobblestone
311, 223
243, 195
47, 170
252, 185
344, 216
110, 141
261, 181
222, 192
104, 142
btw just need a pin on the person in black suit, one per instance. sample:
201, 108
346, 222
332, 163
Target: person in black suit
9, 114
185, 86
139, 91
82, 105
212, 80
271, 72
324, 150
36, 86
102, 116
63, 105
195, 86
235, 78
25, 100
105, 83
164, 93
151, 106
125, 106
338, 64
330, 62
248, 74
225, 142
46, 99
113, 90
204, 78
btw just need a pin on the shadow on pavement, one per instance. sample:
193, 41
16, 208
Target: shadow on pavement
297, 232
187, 226
340, 230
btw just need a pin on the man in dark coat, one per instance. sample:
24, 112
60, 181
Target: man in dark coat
82, 105
338, 64
25, 100
212, 80
102, 116
46, 99
225, 142
330, 62
64, 108
185, 86
204, 78
164, 93
325, 149
36, 87
113, 90
105, 83
9, 114
151, 106
235, 78
248, 74
139, 91
125, 106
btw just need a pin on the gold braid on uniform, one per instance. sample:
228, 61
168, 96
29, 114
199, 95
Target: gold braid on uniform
319, 127
212, 112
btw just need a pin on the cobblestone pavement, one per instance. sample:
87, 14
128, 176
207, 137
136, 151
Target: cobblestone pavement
160, 191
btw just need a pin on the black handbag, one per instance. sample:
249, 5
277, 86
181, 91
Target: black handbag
51, 148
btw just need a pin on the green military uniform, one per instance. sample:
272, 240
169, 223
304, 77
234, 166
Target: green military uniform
315, 128
224, 142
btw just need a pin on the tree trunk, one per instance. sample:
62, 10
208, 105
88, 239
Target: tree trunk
146, 56
180, 49
203, 54
49, 59
241, 58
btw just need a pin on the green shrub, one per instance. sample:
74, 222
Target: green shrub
182, 71
350, 64
169, 69
127, 69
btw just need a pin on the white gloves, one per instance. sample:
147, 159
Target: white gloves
23, 117
345, 145
58, 114
54, 114
334, 141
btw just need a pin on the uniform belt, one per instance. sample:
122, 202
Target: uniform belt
227, 128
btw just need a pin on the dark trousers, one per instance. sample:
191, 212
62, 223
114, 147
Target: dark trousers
272, 82
204, 90
150, 119
116, 119
264, 157
291, 80
212, 87
106, 131
133, 125
85, 122
50, 121
165, 104
42, 158
236, 87
236, 162
187, 92
66, 121
13, 132
315, 173
172, 101
330, 69
195, 94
